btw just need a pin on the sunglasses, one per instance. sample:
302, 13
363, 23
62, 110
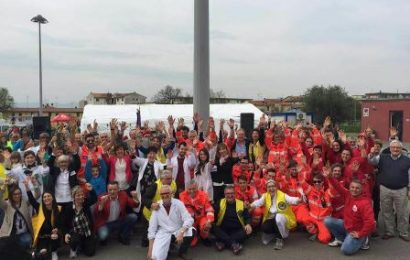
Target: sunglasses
317, 182
90, 141
165, 193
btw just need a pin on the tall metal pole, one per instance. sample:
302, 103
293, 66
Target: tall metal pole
201, 58
40, 110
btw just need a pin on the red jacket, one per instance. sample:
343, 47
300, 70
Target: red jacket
358, 211
111, 163
101, 217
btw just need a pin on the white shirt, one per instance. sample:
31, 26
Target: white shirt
261, 202
120, 174
62, 187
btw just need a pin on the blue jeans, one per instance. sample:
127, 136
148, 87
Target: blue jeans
124, 226
24, 240
350, 244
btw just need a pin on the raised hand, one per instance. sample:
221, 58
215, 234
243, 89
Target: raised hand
95, 125
180, 122
327, 122
231, 123
123, 126
171, 120
326, 171
113, 124
342, 136
355, 166
196, 117
393, 132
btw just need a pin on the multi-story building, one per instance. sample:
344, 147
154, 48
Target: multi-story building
108, 98
212, 100
25, 114
277, 105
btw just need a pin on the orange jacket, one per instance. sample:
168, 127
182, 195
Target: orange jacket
249, 195
319, 202
199, 206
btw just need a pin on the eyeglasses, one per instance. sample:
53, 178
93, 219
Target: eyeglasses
90, 141
165, 193
317, 182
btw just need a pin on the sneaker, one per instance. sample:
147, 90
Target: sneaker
312, 237
73, 254
335, 243
366, 244
266, 238
54, 255
236, 248
219, 246
144, 243
278, 244
124, 241
185, 256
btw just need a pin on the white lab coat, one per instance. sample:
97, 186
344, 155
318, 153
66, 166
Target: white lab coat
142, 164
280, 218
189, 163
204, 180
162, 226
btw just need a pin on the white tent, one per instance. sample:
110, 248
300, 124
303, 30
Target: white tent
158, 112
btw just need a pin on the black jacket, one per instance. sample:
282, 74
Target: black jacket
74, 166
69, 213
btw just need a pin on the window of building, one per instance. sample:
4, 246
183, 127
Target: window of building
97, 99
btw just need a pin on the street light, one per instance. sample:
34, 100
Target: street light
40, 20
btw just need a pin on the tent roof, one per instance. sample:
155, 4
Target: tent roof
156, 112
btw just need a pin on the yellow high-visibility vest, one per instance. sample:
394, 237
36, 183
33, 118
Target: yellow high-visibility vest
282, 207
239, 211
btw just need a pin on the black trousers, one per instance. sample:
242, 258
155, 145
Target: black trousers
47, 243
376, 201
270, 227
186, 243
145, 225
87, 244
229, 236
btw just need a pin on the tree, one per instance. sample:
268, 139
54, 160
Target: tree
217, 94
167, 95
6, 101
331, 101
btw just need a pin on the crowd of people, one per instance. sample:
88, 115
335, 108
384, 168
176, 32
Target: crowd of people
188, 184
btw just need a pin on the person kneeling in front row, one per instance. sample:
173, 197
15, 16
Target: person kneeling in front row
278, 217
169, 224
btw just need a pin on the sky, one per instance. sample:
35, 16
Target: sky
258, 48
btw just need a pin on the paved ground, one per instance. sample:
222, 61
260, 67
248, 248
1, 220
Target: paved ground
297, 246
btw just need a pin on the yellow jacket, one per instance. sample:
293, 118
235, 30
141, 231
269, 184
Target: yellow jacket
282, 207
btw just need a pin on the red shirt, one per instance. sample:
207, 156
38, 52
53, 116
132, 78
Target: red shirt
180, 175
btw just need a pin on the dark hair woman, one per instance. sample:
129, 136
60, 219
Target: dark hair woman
46, 225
